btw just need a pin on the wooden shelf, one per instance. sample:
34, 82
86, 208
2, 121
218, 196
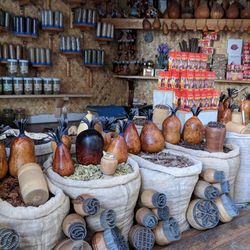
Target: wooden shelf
104, 39
3, 29
95, 66
71, 54
233, 81
52, 29
25, 36
45, 96
136, 23
4, 61
136, 77
41, 66
83, 26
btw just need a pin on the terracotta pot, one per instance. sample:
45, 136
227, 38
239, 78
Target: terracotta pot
86, 204
108, 164
33, 186
215, 138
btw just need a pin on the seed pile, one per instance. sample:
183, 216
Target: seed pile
167, 159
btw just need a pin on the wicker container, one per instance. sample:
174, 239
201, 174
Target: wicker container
242, 182
229, 162
176, 183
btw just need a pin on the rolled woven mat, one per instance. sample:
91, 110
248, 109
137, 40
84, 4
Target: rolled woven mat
213, 176
223, 187
141, 238
167, 231
9, 239
86, 205
161, 213
206, 191
68, 244
146, 218
114, 239
153, 199
108, 218
74, 227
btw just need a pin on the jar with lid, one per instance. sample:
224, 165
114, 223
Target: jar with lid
8, 117
18, 85
56, 85
12, 66
38, 85
20, 114
28, 86
24, 67
7, 86
47, 86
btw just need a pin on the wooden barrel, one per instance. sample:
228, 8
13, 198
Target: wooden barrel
167, 232
33, 186
74, 227
202, 214
145, 217
153, 199
227, 208
141, 238
212, 175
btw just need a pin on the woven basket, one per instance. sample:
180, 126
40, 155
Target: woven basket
242, 182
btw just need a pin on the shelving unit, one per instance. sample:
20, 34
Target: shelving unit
191, 24
136, 77
64, 96
84, 26
52, 29
233, 81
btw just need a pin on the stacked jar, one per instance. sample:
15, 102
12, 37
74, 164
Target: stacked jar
93, 57
70, 44
25, 25
105, 30
39, 56
11, 51
52, 19
18, 66
4, 19
84, 16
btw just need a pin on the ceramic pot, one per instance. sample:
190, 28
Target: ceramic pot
215, 138
108, 164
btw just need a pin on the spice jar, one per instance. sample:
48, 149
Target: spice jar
38, 85
12, 66
18, 85
24, 67
56, 85
8, 117
28, 86
7, 85
47, 86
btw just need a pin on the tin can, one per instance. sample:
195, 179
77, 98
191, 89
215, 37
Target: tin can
102, 57
21, 24
42, 55
12, 66
18, 85
63, 43
35, 27
89, 56
60, 19
12, 51
99, 57
56, 21
46, 18
37, 60
104, 29
38, 85
112, 31
94, 17
89, 16
7, 20
98, 29
73, 43
47, 56
19, 52
84, 15
2, 18
93, 58
5, 51
43, 17
28, 24
28, 86
7, 85
50, 18
56, 85
31, 53
85, 57
68, 43
109, 30
77, 15
78, 45
47, 86
24, 66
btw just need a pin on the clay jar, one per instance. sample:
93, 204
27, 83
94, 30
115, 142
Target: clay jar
215, 138
108, 164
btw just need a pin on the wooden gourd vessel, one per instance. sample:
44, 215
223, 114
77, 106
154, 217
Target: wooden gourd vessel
204, 190
227, 208
153, 199
167, 232
141, 238
160, 113
202, 214
33, 186
74, 227
212, 175
3, 162
86, 205
145, 217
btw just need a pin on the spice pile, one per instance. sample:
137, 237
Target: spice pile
167, 159
93, 172
10, 192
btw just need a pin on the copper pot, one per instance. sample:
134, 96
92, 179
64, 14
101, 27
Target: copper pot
215, 138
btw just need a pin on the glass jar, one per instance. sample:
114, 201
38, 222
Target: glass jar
38, 85
20, 114
12, 66
8, 117
24, 66
7, 86
56, 85
18, 85
47, 86
28, 86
